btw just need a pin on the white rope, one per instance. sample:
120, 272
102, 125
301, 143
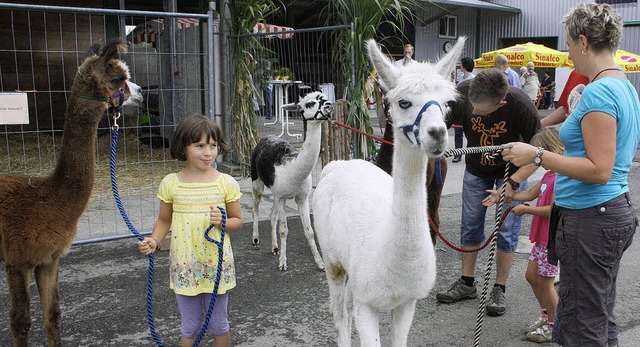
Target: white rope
474, 150
487, 276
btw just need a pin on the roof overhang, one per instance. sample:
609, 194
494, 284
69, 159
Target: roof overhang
478, 4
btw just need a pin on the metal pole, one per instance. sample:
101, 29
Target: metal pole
354, 135
123, 27
212, 108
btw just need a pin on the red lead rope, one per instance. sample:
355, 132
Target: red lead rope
362, 132
431, 223
448, 243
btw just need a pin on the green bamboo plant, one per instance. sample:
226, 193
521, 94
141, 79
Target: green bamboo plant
245, 14
367, 16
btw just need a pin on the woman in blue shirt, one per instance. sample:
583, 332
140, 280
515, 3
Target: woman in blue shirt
596, 221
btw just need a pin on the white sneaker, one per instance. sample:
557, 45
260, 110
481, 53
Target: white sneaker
537, 324
541, 335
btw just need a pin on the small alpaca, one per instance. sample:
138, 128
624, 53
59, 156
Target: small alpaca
372, 227
287, 172
39, 215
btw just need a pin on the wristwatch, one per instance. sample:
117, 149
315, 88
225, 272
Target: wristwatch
515, 185
537, 161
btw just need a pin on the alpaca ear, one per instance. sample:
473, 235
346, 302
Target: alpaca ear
388, 73
292, 107
113, 49
93, 50
448, 63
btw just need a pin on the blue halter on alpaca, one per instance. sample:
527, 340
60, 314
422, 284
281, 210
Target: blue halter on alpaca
415, 127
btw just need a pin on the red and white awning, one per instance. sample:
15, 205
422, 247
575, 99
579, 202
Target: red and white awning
148, 31
270, 28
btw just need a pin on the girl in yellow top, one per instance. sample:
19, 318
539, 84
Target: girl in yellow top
189, 204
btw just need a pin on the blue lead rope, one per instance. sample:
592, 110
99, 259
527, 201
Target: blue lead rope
223, 227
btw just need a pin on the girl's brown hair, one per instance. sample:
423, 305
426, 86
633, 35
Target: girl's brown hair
190, 130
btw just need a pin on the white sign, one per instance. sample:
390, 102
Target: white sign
14, 108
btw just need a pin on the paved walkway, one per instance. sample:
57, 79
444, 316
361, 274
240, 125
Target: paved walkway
103, 289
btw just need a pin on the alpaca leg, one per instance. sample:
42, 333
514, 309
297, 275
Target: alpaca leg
258, 189
339, 302
274, 229
47, 279
303, 210
401, 319
18, 282
284, 232
368, 324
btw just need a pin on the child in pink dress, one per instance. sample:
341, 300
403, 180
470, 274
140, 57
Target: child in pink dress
540, 274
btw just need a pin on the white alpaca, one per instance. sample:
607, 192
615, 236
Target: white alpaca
373, 227
287, 172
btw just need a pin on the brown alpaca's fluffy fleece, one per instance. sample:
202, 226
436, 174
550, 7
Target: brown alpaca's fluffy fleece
39, 215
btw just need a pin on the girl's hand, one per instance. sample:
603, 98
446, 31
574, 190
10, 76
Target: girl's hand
519, 210
520, 154
491, 199
148, 245
216, 216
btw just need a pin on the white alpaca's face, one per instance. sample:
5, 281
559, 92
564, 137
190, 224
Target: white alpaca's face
314, 106
418, 95
419, 120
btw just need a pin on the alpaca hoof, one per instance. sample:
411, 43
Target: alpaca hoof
321, 267
256, 243
276, 251
283, 267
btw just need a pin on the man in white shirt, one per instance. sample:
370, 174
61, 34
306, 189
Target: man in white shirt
408, 54
530, 82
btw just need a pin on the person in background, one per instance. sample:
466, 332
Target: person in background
502, 63
569, 98
189, 204
593, 218
540, 274
548, 86
408, 56
523, 69
530, 82
466, 66
491, 113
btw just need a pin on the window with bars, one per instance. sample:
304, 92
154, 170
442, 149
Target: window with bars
448, 27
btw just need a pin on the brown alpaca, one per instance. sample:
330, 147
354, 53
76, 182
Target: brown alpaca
434, 189
39, 215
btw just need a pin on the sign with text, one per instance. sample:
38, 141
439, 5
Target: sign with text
14, 108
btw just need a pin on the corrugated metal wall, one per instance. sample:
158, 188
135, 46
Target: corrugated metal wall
429, 46
540, 18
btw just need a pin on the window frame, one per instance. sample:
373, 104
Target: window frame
447, 34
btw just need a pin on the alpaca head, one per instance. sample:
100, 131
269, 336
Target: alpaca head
314, 106
103, 75
417, 95
133, 94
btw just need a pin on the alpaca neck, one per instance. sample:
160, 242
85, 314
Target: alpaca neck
75, 169
409, 209
308, 155
384, 159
